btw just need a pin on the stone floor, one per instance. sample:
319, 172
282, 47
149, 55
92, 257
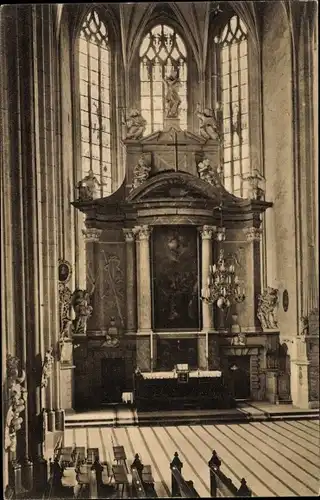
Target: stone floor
277, 458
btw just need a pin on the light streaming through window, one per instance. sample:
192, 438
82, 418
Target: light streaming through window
161, 51
94, 72
234, 98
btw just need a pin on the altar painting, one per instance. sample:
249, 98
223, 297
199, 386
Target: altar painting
175, 278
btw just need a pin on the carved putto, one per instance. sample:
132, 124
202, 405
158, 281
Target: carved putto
173, 99
135, 125
209, 128
208, 173
141, 172
88, 187
267, 308
17, 398
81, 304
47, 367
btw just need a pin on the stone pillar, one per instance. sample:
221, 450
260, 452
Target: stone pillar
299, 374
130, 281
144, 279
206, 260
144, 341
92, 237
248, 312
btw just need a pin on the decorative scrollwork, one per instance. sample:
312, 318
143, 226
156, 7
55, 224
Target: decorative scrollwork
17, 399
267, 308
47, 367
209, 173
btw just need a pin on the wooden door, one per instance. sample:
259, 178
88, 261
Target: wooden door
113, 380
239, 376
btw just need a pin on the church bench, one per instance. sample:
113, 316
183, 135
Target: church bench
221, 485
179, 486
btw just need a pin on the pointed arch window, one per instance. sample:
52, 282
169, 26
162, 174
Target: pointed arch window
233, 55
161, 51
94, 79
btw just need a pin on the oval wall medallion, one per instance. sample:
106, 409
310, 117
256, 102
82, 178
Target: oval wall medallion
64, 271
285, 300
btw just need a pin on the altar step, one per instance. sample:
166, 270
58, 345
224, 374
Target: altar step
123, 416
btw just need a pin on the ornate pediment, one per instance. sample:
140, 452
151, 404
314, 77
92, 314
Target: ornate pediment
177, 185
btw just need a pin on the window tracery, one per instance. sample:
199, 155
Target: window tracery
95, 102
162, 50
233, 59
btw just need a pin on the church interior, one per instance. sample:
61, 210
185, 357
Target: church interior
159, 249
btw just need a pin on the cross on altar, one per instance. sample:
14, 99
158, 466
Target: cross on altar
175, 145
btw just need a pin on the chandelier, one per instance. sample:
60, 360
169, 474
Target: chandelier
222, 285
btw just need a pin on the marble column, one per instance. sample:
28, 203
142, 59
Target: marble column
144, 279
248, 312
206, 260
92, 237
144, 340
130, 281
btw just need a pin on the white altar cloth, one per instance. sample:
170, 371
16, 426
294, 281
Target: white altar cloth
173, 374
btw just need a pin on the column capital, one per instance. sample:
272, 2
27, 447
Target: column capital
207, 232
142, 232
91, 234
253, 233
129, 235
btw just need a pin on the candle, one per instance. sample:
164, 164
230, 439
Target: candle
214, 268
208, 281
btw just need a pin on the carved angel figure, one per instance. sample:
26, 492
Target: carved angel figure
88, 187
256, 191
141, 172
135, 125
209, 125
83, 310
173, 99
267, 308
208, 173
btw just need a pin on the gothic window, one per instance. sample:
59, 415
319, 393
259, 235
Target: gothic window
94, 79
234, 100
162, 50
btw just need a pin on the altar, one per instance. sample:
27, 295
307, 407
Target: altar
168, 390
150, 248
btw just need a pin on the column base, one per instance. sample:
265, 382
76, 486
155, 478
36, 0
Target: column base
40, 475
27, 474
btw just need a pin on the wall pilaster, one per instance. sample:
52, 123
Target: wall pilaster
130, 280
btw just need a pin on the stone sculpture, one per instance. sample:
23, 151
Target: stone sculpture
112, 337
208, 123
267, 308
172, 98
141, 173
47, 367
81, 304
88, 187
17, 398
135, 125
208, 173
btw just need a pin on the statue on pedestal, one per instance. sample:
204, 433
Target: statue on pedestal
112, 337
209, 125
135, 125
83, 310
47, 367
267, 308
141, 173
173, 99
88, 187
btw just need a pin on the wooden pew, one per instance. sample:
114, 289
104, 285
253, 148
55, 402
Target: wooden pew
145, 475
179, 486
221, 485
